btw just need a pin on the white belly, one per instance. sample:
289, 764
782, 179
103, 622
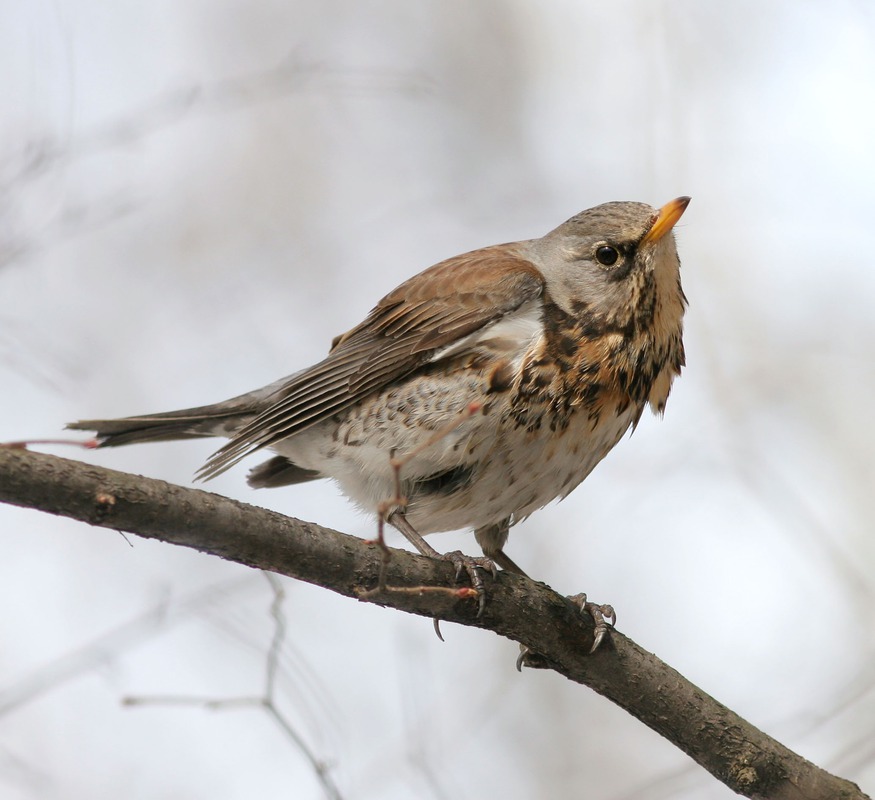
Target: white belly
512, 472
519, 474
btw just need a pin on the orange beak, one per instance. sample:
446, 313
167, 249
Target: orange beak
665, 219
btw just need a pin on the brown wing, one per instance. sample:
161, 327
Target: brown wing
439, 306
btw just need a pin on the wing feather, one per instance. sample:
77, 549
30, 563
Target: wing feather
432, 310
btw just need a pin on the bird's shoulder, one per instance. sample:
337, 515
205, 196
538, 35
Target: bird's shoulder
453, 298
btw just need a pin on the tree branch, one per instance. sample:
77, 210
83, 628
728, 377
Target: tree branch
745, 759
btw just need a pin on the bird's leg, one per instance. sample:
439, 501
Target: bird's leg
396, 518
470, 564
392, 511
386, 554
491, 539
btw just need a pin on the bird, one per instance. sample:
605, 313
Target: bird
497, 380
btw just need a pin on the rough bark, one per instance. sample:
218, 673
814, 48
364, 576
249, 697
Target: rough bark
735, 752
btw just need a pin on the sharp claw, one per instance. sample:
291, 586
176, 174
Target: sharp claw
482, 603
472, 565
477, 585
437, 628
602, 616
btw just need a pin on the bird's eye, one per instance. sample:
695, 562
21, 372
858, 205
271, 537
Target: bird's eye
606, 255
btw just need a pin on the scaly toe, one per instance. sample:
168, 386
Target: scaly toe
603, 616
473, 565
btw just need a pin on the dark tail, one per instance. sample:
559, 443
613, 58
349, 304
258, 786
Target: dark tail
221, 419
190, 423
194, 423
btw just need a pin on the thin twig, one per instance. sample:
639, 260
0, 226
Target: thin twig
266, 701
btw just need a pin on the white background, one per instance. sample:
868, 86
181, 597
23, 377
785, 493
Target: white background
196, 196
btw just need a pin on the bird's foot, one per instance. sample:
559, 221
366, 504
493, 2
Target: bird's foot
603, 616
473, 566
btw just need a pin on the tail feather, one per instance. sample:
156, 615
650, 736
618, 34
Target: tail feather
220, 419
190, 423
279, 471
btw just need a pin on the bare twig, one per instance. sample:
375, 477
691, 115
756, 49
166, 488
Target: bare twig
291, 74
109, 646
43, 156
267, 700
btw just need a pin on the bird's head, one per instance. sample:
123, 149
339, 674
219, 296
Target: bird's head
615, 267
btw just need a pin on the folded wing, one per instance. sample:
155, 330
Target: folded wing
426, 314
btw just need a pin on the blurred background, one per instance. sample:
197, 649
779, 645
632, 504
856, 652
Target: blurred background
195, 197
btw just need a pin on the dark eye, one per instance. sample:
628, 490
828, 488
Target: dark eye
606, 255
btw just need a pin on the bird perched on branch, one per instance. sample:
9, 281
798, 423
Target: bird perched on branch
501, 377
